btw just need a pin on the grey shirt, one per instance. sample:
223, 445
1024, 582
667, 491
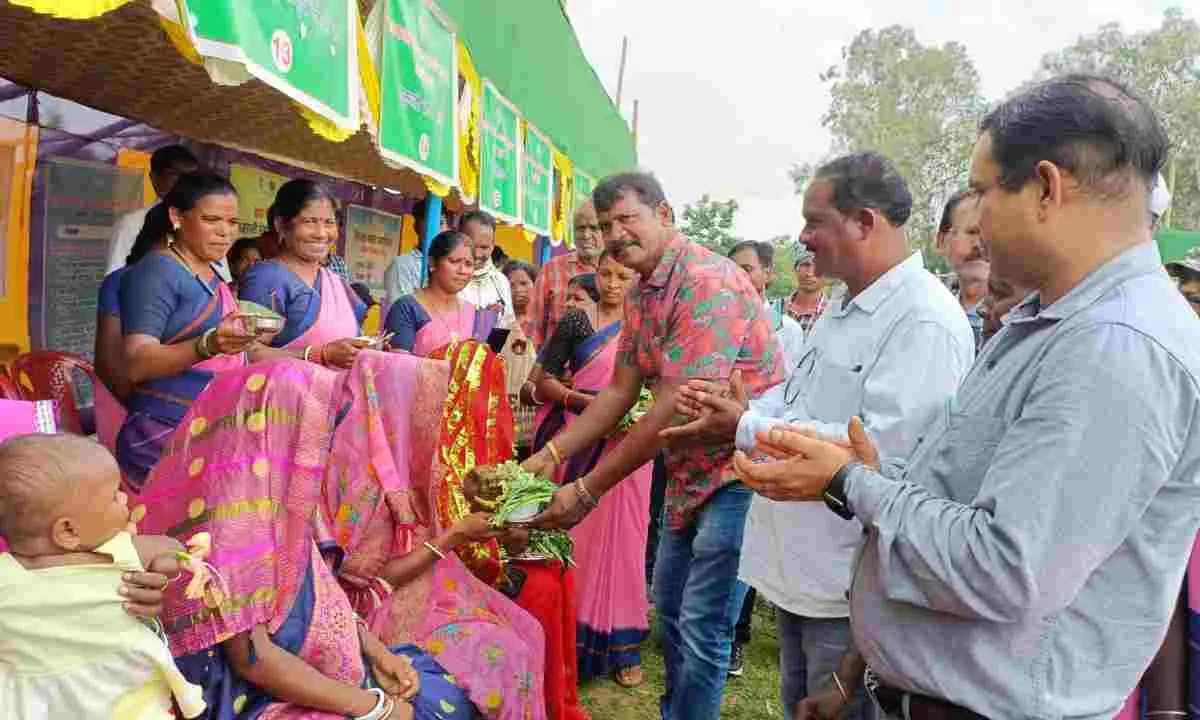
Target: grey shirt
1027, 560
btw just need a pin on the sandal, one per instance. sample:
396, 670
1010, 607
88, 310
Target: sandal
629, 677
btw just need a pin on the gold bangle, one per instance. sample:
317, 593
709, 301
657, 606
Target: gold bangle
841, 688
554, 452
307, 353
434, 549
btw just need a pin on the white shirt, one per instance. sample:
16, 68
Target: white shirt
791, 335
490, 287
894, 355
125, 233
402, 277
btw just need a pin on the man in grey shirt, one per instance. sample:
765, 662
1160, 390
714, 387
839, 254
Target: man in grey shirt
1026, 561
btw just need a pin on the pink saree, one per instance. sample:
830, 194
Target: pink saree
335, 319
445, 329
275, 457
610, 543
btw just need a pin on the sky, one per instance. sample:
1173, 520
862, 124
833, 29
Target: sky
730, 95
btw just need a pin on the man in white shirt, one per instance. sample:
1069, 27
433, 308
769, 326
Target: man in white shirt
488, 287
403, 274
892, 351
166, 165
757, 260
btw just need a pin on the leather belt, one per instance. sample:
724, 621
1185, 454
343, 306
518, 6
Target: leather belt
905, 705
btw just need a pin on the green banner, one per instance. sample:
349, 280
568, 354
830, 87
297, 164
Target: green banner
305, 50
537, 175
500, 177
418, 125
582, 185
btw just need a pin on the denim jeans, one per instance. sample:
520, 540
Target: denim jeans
742, 613
695, 580
810, 650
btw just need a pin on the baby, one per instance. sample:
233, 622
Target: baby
67, 646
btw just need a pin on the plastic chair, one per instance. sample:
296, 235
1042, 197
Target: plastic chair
8, 388
51, 375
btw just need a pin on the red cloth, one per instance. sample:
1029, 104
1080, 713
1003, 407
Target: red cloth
549, 595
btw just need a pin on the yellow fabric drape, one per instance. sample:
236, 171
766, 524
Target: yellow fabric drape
564, 193
468, 126
70, 9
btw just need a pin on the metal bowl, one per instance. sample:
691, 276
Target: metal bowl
265, 323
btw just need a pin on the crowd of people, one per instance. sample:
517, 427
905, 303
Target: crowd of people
965, 499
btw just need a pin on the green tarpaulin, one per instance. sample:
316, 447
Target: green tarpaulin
1174, 244
529, 50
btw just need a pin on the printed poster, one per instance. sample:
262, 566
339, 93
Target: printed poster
537, 163
500, 181
305, 49
418, 125
372, 241
256, 192
81, 204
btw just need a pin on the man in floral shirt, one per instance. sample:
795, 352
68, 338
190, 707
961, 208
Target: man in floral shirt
696, 315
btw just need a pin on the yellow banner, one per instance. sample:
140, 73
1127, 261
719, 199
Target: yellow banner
256, 191
18, 153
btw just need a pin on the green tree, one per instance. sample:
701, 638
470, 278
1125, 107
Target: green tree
784, 283
917, 105
710, 223
1163, 65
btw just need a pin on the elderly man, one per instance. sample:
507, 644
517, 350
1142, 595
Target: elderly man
892, 352
550, 290
958, 242
1027, 560
694, 314
488, 287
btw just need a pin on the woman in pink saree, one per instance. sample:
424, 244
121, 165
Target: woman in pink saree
322, 315
434, 316
610, 544
178, 320
293, 468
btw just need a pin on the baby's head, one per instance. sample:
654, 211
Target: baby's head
59, 493
482, 488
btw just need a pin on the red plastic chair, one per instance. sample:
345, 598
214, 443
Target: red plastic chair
51, 375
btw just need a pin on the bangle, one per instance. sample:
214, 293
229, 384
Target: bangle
307, 353
533, 394
841, 688
554, 452
321, 355
434, 549
381, 709
202, 348
586, 497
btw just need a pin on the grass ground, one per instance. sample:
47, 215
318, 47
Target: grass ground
753, 696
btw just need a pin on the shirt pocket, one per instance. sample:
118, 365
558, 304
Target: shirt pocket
835, 393
965, 451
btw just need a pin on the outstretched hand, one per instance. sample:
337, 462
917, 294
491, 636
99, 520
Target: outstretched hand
804, 462
566, 510
714, 412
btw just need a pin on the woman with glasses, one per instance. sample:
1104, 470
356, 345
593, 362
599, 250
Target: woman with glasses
322, 314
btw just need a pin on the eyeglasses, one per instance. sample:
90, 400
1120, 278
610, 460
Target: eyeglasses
804, 370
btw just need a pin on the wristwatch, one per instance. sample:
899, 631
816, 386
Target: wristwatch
835, 491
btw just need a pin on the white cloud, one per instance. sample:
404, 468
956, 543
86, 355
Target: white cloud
730, 95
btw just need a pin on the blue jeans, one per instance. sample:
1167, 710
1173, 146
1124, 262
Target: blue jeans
810, 650
695, 579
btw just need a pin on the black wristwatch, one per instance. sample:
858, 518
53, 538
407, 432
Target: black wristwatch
835, 492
